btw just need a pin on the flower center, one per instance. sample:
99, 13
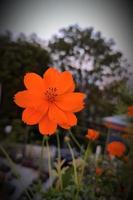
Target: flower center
51, 94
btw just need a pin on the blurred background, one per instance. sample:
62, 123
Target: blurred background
91, 38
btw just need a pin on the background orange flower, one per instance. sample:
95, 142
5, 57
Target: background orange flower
130, 110
92, 134
99, 171
116, 148
50, 101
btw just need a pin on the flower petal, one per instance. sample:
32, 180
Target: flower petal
33, 82
78, 108
65, 126
22, 98
26, 98
66, 83
31, 116
70, 102
46, 126
56, 114
71, 121
51, 77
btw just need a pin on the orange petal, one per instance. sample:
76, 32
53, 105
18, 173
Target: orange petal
51, 77
33, 82
66, 83
70, 101
43, 107
78, 108
46, 126
31, 116
22, 98
71, 121
65, 126
56, 114
27, 99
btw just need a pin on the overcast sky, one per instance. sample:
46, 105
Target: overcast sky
46, 17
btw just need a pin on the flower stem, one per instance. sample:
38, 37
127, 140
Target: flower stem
74, 139
41, 157
12, 165
49, 160
86, 154
74, 164
59, 160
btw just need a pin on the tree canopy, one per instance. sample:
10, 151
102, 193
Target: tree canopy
99, 69
17, 57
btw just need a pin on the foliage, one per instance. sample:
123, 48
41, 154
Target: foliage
98, 68
16, 58
108, 185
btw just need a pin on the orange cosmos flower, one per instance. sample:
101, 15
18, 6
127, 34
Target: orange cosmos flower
92, 134
130, 110
99, 171
50, 100
116, 148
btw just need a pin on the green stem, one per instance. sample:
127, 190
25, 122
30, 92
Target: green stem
85, 159
49, 159
12, 164
74, 164
75, 140
41, 157
27, 193
59, 160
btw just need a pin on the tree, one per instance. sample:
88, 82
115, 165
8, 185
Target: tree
94, 63
16, 58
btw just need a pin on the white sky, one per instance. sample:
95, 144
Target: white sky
46, 17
